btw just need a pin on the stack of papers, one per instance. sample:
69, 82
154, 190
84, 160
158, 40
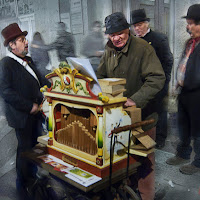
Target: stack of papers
74, 173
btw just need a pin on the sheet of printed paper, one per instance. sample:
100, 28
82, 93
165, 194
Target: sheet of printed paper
52, 160
84, 67
74, 173
82, 177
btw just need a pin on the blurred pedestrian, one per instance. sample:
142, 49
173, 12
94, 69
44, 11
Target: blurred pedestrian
64, 43
93, 45
40, 55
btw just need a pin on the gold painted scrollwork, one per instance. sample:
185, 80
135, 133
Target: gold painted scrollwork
65, 69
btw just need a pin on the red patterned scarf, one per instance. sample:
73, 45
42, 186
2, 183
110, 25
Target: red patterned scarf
192, 43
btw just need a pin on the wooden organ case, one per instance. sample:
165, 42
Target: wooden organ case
80, 122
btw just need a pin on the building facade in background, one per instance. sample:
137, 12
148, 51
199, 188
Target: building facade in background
78, 15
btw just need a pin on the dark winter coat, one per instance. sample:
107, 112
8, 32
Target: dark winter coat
192, 74
138, 64
160, 43
19, 89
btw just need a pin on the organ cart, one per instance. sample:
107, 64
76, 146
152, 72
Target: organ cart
82, 118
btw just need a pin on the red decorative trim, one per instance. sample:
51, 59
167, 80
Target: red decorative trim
51, 75
50, 142
76, 76
49, 99
49, 89
99, 109
82, 77
99, 161
90, 91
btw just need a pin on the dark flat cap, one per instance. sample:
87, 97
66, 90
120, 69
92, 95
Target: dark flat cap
115, 22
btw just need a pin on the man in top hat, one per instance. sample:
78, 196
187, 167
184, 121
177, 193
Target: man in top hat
188, 82
20, 84
159, 42
129, 57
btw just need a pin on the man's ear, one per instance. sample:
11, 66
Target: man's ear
12, 45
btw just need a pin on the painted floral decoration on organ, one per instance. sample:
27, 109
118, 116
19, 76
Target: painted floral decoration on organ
67, 81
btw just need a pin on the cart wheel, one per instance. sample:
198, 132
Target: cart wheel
122, 194
126, 193
130, 191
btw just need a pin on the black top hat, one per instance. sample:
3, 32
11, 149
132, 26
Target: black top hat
115, 22
193, 12
138, 16
11, 32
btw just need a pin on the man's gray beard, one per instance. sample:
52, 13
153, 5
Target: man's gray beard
24, 53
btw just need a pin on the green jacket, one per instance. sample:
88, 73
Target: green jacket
138, 64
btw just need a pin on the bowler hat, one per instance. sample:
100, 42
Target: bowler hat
193, 12
115, 22
11, 32
138, 16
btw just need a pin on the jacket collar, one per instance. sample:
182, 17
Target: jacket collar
18, 59
148, 31
25, 64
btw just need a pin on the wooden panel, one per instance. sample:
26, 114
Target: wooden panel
144, 153
134, 4
159, 10
150, 12
134, 113
166, 20
117, 6
146, 140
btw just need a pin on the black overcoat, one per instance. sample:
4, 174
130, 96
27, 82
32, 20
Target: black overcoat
20, 90
160, 43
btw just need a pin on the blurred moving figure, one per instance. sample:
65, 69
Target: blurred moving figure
40, 55
64, 43
93, 45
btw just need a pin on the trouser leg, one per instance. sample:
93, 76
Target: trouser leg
27, 139
146, 182
184, 148
161, 127
196, 161
193, 104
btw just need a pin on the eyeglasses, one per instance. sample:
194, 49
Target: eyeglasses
21, 39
